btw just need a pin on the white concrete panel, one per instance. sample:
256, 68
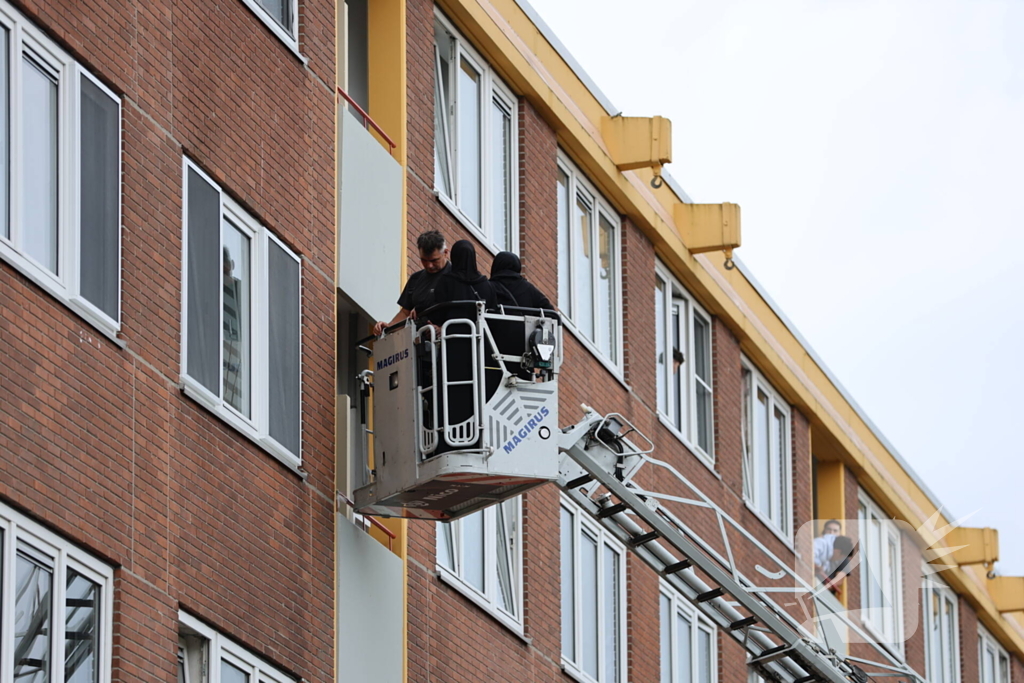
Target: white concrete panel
370, 608
369, 221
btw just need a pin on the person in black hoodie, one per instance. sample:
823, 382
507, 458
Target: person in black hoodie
465, 283
507, 270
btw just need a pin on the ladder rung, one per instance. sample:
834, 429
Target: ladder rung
711, 594
641, 539
676, 567
579, 481
742, 623
612, 510
767, 655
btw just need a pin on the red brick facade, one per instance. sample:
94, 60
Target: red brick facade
98, 442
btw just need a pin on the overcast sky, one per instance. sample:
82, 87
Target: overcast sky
876, 149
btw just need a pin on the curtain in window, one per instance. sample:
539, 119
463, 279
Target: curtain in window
204, 282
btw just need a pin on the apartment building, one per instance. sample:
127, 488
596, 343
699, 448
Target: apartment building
510, 145
167, 341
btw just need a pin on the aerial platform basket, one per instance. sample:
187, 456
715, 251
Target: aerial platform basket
464, 415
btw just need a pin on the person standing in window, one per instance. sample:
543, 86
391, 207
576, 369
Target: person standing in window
418, 294
507, 270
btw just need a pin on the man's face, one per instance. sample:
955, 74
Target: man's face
434, 261
832, 528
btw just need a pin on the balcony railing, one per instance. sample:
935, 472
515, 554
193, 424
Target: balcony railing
368, 122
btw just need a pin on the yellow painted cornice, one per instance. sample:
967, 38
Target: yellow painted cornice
531, 66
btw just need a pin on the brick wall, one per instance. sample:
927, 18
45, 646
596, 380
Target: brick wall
97, 441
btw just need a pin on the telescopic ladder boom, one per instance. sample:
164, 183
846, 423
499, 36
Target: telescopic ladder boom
596, 471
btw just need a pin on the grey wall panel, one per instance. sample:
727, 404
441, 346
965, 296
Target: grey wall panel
370, 221
370, 608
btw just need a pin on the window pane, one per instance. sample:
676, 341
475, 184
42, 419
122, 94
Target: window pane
280, 10
81, 620
666, 639
32, 627
702, 372
5, 135
589, 595
505, 524
934, 640
892, 592
101, 185
442, 111
237, 320
605, 303
875, 569
583, 269
564, 245
1004, 669
949, 642
39, 171
284, 347
762, 448
204, 274
473, 550
990, 665
501, 176
357, 51
679, 397
779, 512
469, 141
445, 546
703, 656
230, 673
568, 586
684, 647
661, 346
611, 614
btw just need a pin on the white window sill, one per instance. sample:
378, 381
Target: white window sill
770, 525
615, 370
474, 229
200, 395
473, 596
290, 42
82, 310
701, 456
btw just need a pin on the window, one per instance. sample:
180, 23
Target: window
241, 345
687, 642
941, 643
588, 262
280, 16
60, 173
475, 140
881, 589
767, 482
205, 656
58, 602
593, 599
481, 555
993, 662
683, 331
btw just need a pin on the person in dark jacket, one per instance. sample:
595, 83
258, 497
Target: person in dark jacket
507, 270
464, 283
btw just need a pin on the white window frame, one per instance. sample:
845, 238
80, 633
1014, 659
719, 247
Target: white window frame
987, 643
686, 399
288, 36
698, 623
885, 626
784, 472
17, 528
256, 427
948, 644
220, 648
492, 89
582, 522
65, 284
579, 185
488, 599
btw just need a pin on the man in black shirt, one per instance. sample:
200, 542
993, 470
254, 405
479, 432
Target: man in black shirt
418, 294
